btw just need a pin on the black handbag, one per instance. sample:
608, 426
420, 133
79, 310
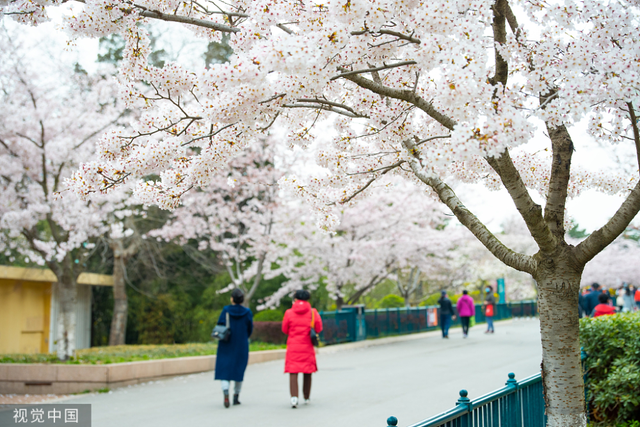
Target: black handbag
312, 333
222, 332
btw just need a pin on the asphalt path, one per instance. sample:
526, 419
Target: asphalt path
412, 380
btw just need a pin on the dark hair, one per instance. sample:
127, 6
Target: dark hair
238, 296
302, 294
596, 286
490, 287
465, 292
603, 298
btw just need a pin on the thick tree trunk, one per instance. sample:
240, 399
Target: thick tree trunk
120, 303
67, 296
558, 278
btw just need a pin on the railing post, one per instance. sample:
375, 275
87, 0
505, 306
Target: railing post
585, 377
514, 413
466, 420
388, 323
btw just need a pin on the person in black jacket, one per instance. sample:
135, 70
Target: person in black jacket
591, 299
446, 314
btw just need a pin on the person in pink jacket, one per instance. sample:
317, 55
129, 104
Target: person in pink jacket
301, 356
466, 308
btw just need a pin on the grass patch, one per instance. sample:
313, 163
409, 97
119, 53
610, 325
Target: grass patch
129, 353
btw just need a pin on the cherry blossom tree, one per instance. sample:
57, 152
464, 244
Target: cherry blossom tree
375, 240
235, 216
616, 264
434, 92
482, 267
48, 124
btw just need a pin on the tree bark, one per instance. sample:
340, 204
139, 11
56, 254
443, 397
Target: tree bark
121, 255
120, 304
67, 296
558, 276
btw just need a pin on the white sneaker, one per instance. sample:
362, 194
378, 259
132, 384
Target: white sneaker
307, 401
464, 335
294, 402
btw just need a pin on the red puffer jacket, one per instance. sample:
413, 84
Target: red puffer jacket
301, 357
603, 309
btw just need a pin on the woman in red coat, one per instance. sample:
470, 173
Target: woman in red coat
301, 357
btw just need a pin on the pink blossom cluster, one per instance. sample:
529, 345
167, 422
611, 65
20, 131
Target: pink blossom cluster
287, 66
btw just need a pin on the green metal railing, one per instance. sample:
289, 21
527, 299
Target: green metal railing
518, 404
355, 324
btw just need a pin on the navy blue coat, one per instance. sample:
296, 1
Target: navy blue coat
233, 355
590, 302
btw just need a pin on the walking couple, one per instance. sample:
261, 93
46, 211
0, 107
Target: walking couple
233, 353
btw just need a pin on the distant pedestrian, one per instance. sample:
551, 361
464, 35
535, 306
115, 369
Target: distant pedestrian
466, 308
628, 304
636, 298
446, 314
591, 299
489, 308
233, 355
301, 356
603, 308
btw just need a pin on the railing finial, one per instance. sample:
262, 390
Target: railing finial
392, 421
463, 400
512, 380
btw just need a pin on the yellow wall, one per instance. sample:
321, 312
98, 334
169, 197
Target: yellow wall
25, 308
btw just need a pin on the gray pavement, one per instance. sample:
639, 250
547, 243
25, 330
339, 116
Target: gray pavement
412, 380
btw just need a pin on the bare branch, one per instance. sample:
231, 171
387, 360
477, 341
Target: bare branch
210, 135
285, 28
499, 37
511, 18
432, 138
513, 259
275, 117
636, 131
602, 237
405, 95
386, 169
530, 211
399, 35
333, 104
371, 70
274, 97
562, 148
155, 14
325, 106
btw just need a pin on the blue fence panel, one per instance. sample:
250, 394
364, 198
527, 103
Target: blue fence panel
518, 404
338, 327
341, 326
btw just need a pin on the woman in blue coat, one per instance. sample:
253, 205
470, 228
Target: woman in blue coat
233, 355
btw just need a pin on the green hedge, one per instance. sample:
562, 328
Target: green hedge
268, 316
612, 344
130, 353
391, 301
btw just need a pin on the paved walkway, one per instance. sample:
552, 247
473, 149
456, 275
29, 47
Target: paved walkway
412, 380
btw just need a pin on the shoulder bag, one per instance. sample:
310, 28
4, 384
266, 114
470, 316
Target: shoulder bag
488, 311
222, 332
312, 333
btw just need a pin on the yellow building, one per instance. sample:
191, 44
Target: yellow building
28, 309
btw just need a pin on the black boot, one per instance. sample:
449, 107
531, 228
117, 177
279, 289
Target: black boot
226, 400
235, 399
